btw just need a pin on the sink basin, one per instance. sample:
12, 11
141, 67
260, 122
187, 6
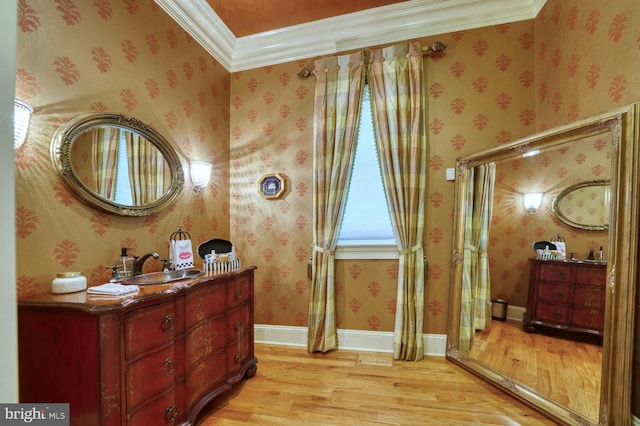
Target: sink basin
587, 261
162, 277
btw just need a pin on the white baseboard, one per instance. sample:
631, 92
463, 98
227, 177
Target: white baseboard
359, 340
354, 340
515, 312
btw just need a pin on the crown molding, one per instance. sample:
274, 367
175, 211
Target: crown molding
388, 24
198, 19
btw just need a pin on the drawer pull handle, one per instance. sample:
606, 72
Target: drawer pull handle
562, 275
238, 294
237, 358
169, 324
557, 315
559, 295
168, 367
171, 413
238, 326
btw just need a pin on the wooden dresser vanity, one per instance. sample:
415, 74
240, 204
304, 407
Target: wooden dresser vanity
566, 296
153, 358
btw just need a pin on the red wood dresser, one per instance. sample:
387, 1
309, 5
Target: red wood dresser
567, 296
154, 358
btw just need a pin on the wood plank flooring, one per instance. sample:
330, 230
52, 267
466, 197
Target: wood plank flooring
568, 371
293, 387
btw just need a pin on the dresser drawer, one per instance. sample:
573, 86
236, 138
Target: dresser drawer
204, 302
207, 375
592, 319
163, 411
149, 327
555, 272
557, 314
238, 292
591, 276
149, 376
553, 292
205, 339
239, 352
589, 297
239, 322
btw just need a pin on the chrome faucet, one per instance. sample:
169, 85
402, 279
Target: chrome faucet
138, 262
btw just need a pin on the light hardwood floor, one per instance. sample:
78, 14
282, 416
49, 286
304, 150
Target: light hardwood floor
293, 387
567, 371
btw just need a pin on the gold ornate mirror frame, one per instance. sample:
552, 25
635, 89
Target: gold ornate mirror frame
622, 125
61, 149
560, 214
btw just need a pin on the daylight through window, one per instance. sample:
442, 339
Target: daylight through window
366, 220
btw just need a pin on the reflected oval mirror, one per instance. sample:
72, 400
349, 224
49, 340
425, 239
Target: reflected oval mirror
558, 329
117, 164
585, 205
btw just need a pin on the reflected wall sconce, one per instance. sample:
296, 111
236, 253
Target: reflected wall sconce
532, 201
200, 172
21, 117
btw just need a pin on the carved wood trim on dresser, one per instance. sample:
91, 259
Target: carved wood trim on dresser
566, 296
154, 358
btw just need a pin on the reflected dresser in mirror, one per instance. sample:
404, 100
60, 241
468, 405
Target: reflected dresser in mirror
566, 296
566, 301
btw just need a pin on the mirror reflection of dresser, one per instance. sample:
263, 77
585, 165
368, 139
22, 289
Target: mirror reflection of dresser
566, 296
576, 298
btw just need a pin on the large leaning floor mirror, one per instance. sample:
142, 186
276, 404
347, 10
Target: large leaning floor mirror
543, 292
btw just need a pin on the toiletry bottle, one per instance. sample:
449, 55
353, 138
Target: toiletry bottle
591, 255
127, 263
600, 254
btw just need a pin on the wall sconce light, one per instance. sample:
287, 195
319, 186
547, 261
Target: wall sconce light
200, 174
532, 201
21, 116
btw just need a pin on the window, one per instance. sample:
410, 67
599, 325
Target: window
123, 185
366, 230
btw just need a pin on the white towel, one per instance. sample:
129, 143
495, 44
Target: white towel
113, 289
181, 254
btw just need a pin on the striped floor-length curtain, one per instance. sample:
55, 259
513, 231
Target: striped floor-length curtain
104, 143
338, 94
484, 203
146, 170
475, 309
398, 101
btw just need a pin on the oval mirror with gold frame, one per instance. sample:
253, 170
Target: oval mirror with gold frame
584, 205
117, 164
617, 133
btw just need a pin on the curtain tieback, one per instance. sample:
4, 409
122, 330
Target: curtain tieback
410, 250
471, 248
324, 250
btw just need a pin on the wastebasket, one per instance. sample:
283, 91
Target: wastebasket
499, 309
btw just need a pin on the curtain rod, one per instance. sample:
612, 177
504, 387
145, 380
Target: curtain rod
427, 51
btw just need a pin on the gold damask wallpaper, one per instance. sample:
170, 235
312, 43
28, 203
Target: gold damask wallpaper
587, 57
513, 229
76, 57
479, 94
492, 85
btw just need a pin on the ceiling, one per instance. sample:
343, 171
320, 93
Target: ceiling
246, 17
247, 34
